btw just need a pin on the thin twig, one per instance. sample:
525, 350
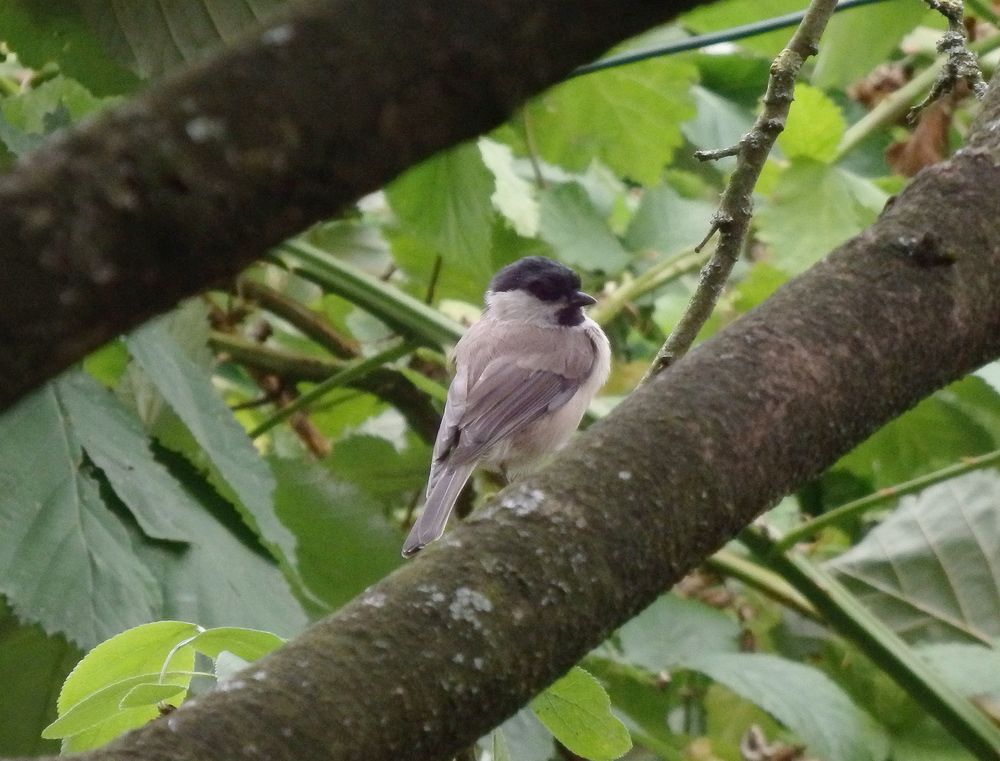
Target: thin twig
732, 220
432, 285
893, 106
343, 378
962, 64
303, 318
529, 142
662, 272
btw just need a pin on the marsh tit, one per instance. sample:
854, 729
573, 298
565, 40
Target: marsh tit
524, 375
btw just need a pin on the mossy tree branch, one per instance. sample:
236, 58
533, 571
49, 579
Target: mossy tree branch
533, 581
183, 186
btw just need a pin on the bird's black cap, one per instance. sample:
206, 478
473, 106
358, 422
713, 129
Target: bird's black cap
545, 279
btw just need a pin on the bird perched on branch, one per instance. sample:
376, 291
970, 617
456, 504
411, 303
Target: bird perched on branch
524, 375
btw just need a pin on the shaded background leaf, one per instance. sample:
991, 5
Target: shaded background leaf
929, 569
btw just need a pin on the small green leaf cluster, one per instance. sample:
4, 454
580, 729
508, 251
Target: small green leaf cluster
144, 673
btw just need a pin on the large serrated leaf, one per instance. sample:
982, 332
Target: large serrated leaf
577, 232
345, 542
32, 666
814, 208
667, 223
628, 117
153, 38
832, 727
240, 473
930, 569
855, 43
672, 630
815, 126
445, 202
66, 559
223, 577
113, 438
577, 710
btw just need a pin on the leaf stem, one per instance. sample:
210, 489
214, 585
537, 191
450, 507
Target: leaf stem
880, 497
287, 364
662, 272
348, 374
399, 310
299, 315
761, 578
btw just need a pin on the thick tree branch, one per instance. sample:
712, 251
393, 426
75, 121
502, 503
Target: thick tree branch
185, 185
455, 641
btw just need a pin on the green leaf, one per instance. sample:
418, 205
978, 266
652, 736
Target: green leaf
815, 208
525, 738
514, 196
114, 440
831, 726
377, 468
90, 702
56, 31
223, 577
815, 126
140, 650
228, 665
855, 43
667, 223
98, 586
577, 710
344, 542
937, 432
577, 233
149, 694
970, 669
674, 629
929, 568
445, 202
188, 390
718, 123
643, 704
33, 666
248, 644
153, 38
29, 110
106, 703
728, 13
628, 117
499, 751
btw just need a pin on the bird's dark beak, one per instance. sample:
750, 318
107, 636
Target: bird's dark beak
581, 299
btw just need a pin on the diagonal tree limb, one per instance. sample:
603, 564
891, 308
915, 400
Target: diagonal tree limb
455, 641
186, 184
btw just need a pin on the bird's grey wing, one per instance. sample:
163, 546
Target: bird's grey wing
505, 398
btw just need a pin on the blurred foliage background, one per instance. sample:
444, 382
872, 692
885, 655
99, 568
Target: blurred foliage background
254, 458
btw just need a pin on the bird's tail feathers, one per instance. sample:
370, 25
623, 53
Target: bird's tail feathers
441, 498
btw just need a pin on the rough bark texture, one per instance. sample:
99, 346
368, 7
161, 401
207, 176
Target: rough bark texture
189, 183
455, 641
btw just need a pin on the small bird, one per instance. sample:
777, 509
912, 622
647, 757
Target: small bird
524, 375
